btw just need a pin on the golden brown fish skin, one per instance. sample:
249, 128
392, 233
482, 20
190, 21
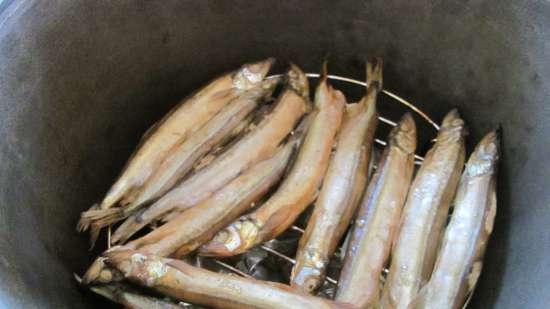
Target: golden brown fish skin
425, 215
460, 258
131, 299
342, 188
298, 189
197, 225
183, 156
190, 114
378, 218
257, 145
184, 282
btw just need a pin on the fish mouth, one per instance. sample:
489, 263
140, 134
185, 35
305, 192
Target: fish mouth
307, 274
233, 240
308, 279
252, 74
485, 156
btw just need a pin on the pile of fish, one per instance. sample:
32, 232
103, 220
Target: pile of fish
236, 164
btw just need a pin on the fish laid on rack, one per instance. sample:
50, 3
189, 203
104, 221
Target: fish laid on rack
189, 115
425, 215
182, 157
131, 299
223, 126
258, 144
184, 282
299, 188
193, 227
342, 188
460, 258
378, 218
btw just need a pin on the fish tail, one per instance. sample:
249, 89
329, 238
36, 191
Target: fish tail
84, 221
324, 72
374, 74
97, 219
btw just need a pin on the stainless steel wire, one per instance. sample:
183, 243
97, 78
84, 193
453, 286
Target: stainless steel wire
384, 91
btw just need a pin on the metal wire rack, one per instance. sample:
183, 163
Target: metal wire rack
418, 161
380, 142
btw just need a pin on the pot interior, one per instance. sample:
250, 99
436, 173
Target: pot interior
82, 80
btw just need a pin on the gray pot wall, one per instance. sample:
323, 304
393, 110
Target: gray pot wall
81, 80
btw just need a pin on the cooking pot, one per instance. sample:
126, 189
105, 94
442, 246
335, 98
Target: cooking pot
80, 81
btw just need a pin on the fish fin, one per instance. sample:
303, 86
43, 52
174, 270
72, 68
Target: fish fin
108, 291
84, 222
215, 249
147, 134
474, 275
100, 217
77, 278
97, 219
93, 272
94, 235
374, 74
353, 109
127, 229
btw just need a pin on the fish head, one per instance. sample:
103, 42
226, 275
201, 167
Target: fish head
234, 239
251, 74
452, 129
297, 80
485, 156
137, 266
403, 135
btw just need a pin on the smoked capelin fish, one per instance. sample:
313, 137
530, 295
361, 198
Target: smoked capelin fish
460, 258
378, 218
184, 282
425, 215
190, 114
258, 144
183, 156
342, 188
298, 189
197, 225
192, 228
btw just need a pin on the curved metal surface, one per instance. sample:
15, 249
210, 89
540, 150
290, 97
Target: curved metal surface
80, 80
